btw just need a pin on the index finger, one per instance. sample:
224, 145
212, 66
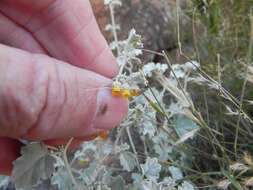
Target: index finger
67, 30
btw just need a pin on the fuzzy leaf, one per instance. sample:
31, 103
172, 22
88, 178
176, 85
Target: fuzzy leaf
137, 178
148, 129
88, 175
176, 173
186, 186
4, 180
117, 183
128, 161
151, 169
35, 164
184, 126
62, 180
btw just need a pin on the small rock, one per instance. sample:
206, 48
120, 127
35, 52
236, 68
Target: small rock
153, 19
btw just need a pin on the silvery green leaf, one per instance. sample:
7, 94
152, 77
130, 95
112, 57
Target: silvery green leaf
178, 71
88, 175
181, 70
151, 169
128, 161
35, 164
187, 136
148, 128
184, 125
121, 148
130, 48
175, 108
4, 181
117, 183
186, 186
62, 179
168, 182
58, 161
137, 178
163, 153
176, 173
85, 149
149, 185
121, 59
169, 188
106, 148
191, 65
107, 176
105, 187
89, 146
162, 145
135, 39
149, 68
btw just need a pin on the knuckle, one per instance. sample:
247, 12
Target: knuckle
22, 97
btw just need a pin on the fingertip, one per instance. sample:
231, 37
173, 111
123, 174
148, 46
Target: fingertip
105, 63
111, 110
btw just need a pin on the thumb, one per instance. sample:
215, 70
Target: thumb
43, 98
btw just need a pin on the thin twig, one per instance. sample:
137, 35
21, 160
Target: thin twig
132, 145
114, 27
178, 27
152, 52
65, 158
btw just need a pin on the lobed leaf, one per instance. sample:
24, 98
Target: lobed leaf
34, 165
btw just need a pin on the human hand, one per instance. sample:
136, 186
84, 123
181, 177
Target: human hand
54, 66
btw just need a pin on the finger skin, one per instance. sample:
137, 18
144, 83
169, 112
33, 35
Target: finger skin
13, 35
42, 98
71, 27
10, 149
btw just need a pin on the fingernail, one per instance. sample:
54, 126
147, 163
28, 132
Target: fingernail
110, 110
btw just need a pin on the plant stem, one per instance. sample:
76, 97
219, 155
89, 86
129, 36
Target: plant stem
65, 158
114, 28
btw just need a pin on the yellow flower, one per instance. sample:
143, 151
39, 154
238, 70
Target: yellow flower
103, 135
83, 162
135, 92
116, 90
124, 92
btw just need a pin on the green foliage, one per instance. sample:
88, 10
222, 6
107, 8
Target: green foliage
184, 125
61, 180
4, 181
34, 165
151, 169
128, 161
